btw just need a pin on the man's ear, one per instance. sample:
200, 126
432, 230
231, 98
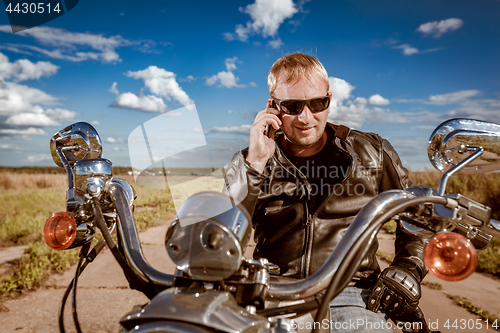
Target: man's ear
331, 95
271, 103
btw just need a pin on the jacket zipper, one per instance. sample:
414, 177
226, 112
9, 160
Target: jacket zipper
310, 219
306, 258
343, 180
306, 261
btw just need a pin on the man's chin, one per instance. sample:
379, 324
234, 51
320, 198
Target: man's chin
305, 141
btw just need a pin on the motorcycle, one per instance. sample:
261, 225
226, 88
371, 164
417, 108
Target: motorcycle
214, 287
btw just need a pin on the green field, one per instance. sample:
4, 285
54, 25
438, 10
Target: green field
28, 197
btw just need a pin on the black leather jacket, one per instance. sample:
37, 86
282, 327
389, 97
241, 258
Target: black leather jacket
299, 240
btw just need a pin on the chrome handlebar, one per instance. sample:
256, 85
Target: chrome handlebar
132, 246
301, 289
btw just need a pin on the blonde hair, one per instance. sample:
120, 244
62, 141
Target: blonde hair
293, 66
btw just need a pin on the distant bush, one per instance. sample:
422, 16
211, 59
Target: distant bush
484, 188
23, 181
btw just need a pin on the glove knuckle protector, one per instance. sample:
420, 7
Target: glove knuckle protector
396, 291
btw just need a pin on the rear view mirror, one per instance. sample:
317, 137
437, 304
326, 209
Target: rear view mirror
79, 140
456, 140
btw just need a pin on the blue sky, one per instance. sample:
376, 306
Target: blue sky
397, 68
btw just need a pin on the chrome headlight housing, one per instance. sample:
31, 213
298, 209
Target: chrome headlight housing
208, 237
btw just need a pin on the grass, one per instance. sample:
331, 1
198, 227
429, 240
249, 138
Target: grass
432, 285
29, 271
26, 200
464, 303
390, 227
385, 257
488, 260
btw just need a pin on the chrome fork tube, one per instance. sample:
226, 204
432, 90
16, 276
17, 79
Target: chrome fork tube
321, 278
132, 246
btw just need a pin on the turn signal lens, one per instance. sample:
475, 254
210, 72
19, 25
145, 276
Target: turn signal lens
60, 230
450, 256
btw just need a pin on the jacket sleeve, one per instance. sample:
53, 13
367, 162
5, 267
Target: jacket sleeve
242, 183
409, 248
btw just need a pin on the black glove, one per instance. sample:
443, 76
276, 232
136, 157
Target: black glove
415, 322
396, 292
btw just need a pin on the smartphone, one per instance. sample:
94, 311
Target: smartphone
269, 130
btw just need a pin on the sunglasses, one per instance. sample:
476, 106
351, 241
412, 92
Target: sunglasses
295, 106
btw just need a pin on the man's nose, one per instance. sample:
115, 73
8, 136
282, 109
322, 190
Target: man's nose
306, 116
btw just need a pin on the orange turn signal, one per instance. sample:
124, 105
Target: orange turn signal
60, 230
450, 256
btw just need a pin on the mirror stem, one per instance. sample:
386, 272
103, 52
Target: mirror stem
444, 180
71, 200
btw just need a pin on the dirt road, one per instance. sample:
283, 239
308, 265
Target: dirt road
104, 296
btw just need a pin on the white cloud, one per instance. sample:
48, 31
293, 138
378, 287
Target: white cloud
30, 119
227, 78
425, 128
437, 29
61, 115
113, 88
378, 100
482, 109
407, 49
276, 43
452, 98
95, 123
211, 80
352, 115
13, 48
23, 106
266, 18
188, 78
355, 112
23, 69
241, 129
5, 146
162, 83
110, 139
39, 157
360, 101
68, 45
17, 98
341, 90
147, 103
231, 63
28, 131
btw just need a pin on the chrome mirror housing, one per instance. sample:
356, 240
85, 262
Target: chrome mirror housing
455, 141
78, 141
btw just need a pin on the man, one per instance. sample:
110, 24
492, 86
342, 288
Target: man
305, 184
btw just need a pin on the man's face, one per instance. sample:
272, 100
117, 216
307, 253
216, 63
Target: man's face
307, 128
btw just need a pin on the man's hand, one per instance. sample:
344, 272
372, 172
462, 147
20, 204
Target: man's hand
413, 322
396, 292
261, 148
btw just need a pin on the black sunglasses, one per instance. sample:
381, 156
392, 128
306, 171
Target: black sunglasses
295, 106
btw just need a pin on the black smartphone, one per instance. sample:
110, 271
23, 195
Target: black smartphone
269, 130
